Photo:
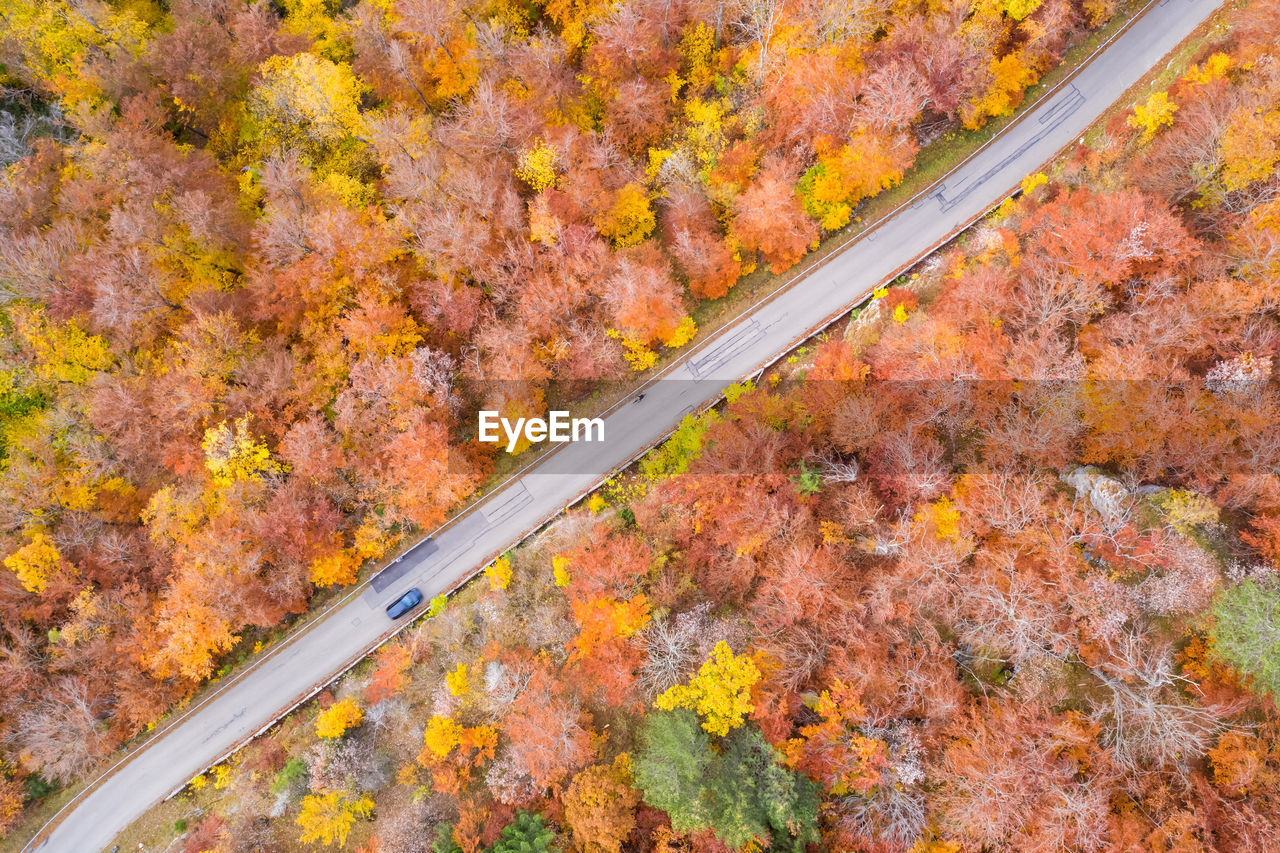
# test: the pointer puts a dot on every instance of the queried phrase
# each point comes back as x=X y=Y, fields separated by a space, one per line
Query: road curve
x=258 y=695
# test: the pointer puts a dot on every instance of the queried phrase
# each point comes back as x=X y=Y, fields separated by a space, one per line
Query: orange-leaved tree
x=600 y=806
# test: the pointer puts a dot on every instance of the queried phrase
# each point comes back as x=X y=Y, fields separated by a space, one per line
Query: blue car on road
x=404 y=603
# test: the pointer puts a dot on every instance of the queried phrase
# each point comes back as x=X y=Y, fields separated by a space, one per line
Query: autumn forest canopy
x=991 y=566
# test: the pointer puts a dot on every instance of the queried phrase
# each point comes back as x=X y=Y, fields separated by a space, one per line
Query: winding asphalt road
x=251 y=700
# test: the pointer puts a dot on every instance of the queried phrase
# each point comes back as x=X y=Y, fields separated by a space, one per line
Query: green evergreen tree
x=528 y=833
x=672 y=767
x=1246 y=632
x=444 y=842
x=753 y=796
x=740 y=790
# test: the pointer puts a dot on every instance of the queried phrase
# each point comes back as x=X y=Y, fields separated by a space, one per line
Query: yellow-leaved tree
x=499 y=573
x=1010 y=76
x=56 y=42
x=1156 y=112
x=334 y=721
x=334 y=568
x=843 y=177
x=1250 y=147
x=62 y=351
x=560 y=568
x=328 y=818
x=12 y=797
x=35 y=562
x=319 y=21
x=1018 y=9
x=1186 y=510
x=943 y=514
x=720 y=693
x=629 y=219
x=537 y=167
x=442 y=735
x=306 y=102
x=231 y=454
x=456 y=680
